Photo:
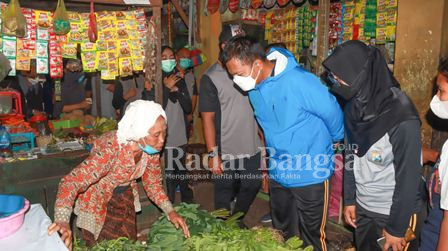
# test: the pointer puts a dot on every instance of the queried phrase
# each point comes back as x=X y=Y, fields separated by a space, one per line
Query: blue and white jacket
x=301 y=120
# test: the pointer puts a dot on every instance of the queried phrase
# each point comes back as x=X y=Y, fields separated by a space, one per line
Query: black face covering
x=343 y=91
x=375 y=102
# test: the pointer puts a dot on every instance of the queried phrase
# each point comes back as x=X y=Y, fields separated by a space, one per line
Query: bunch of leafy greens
x=208 y=232
x=121 y=244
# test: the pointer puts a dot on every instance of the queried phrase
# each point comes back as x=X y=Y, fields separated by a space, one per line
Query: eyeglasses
x=332 y=79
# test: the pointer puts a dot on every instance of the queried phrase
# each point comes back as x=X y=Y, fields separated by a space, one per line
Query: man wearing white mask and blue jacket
x=301 y=121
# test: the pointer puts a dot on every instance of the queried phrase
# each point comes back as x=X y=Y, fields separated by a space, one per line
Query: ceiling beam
x=181 y=12
x=121 y=2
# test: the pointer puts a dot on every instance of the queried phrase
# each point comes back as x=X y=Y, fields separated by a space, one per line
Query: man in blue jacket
x=301 y=121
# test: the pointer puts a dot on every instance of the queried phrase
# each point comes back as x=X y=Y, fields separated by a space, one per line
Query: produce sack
x=13 y=20
x=61 y=23
x=93 y=31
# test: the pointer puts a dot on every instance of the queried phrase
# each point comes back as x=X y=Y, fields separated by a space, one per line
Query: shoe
x=266 y=218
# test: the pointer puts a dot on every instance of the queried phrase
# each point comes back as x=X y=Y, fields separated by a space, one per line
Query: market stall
x=296 y=24
x=36 y=151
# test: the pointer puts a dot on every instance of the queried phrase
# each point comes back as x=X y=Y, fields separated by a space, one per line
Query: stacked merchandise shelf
x=306 y=26
x=336 y=25
x=295 y=27
x=281 y=26
x=117 y=52
x=370 y=21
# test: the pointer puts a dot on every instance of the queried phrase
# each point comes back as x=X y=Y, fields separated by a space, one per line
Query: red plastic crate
x=16 y=103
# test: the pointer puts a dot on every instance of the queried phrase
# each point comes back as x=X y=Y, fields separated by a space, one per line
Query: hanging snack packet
x=88 y=47
x=42 y=65
x=23 y=64
x=102 y=60
x=89 y=61
x=42 y=49
x=112 y=46
x=120 y=15
x=112 y=67
x=56 y=67
x=85 y=20
x=43 y=34
x=43 y=19
x=125 y=67
x=138 y=64
x=101 y=45
x=9 y=46
x=107 y=35
x=122 y=30
x=124 y=49
x=69 y=50
x=74 y=17
x=75 y=35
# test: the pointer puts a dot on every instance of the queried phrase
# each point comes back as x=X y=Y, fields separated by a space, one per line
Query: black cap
x=230 y=30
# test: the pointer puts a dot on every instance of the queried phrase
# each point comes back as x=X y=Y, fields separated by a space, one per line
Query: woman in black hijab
x=382 y=126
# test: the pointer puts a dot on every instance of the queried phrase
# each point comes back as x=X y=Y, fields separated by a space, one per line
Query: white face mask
x=439 y=107
x=246 y=83
x=34 y=81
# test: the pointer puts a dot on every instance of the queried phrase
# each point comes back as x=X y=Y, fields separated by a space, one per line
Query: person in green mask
x=185 y=66
x=177 y=104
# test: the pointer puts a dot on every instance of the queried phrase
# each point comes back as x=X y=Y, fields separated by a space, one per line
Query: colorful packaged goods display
x=295 y=27
x=306 y=26
x=370 y=21
x=335 y=23
x=119 y=50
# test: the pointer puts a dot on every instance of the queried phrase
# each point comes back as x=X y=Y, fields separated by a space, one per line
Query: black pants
x=176 y=173
x=369 y=228
x=301 y=212
x=236 y=183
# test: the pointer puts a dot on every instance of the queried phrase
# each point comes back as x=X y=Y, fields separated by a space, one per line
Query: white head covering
x=139 y=117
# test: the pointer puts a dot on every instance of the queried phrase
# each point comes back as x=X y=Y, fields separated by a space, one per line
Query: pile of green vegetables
x=103 y=125
x=208 y=232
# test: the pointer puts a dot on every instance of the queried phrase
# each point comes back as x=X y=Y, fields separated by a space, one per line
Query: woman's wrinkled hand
x=178 y=221
x=64 y=230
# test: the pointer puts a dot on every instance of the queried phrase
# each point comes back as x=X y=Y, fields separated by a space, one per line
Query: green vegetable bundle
x=164 y=236
x=103 y=125
x=120 y=244
x=208 y=233
x=236 y=239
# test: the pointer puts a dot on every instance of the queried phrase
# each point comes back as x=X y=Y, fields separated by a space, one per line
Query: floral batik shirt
x=91 y=183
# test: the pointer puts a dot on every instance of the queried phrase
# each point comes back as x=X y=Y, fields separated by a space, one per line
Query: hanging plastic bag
x=93 y=32
x=13 y=20
x=61 y=23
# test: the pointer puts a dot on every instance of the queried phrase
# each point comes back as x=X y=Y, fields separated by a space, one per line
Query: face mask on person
x=148 y=149
x=246 y=83
x=34 y=81
x=343 y=91
x=185 y=63
x=168 y=65
x=439 y=107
